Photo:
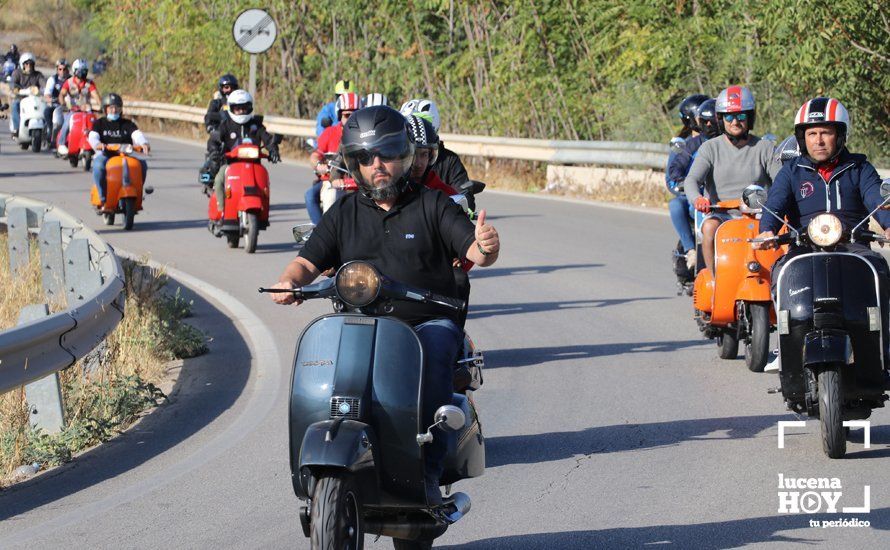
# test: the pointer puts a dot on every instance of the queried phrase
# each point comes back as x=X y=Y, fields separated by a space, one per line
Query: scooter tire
x=728 y=344
x=757 y=343
x=36 y=140
x=335 y=519
x=73 y=160
x=129 y=212
x=253 y=232
x=834 y=438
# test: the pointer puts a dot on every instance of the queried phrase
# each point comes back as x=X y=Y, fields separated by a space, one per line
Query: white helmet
x=240 y=97
x=371 y=100
x=424 y=108
x=80 y=68
x=27 y=56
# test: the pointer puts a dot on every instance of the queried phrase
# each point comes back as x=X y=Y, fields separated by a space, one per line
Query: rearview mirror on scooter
x=447 y=417
x=472 y=186
x=677 y=144
x=754 y=196
x=302 y=231
x=885 y=188
x=149 y=189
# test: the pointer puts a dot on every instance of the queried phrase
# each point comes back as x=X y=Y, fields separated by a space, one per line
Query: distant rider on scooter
x=23 y=78
x=827 y=177
x=726 y=165
x=217 y=107
x=329 y=142
x=448 y=165
x=675 y=173
x=51 y=95
x=378 y=153
x=327 y=116
x=113 y=129
x=72 y=90
x=240 y=124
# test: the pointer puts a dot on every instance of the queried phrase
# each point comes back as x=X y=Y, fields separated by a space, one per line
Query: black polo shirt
x=414 y=243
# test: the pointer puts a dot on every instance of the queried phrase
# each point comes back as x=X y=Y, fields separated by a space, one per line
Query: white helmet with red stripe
x=350 y=101
x=819 y=111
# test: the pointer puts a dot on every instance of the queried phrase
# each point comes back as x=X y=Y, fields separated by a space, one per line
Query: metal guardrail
x=613 y=153
x=75 y=262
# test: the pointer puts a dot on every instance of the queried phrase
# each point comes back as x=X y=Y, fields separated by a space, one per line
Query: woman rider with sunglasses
x=727 y=164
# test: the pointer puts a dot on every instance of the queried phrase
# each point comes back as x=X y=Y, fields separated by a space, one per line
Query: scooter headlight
x=358 y=284
x=825 y=230
x=249 y=153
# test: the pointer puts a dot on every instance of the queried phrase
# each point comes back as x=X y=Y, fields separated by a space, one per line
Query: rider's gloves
x=274 y=155
x=702 y=204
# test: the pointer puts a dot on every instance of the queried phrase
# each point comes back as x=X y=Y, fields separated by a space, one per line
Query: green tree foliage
x=560 y=69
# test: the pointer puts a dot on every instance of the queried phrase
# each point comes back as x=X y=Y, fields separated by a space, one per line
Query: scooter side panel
x=848 y=278
x=731 y=249
x=312 y=383
x=114 y=181
x=396 y=397
x=466 y=447
x=261 y=181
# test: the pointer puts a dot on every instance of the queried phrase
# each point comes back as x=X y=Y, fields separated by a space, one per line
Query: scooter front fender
x=827 y=346
x=337 y=445
x=36 y=124
x=754 y=289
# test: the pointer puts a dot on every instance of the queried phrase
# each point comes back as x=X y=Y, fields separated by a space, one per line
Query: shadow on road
x=546 y=447
x=287 y=246
x=523 y=357
x=287 y=206
x=149 y=225
x=486 y=272
x=703 y=536
x=207 y=387
x=481 y=311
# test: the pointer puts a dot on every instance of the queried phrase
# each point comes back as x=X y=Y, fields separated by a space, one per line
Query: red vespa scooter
x=247 y=198
x=77 y=146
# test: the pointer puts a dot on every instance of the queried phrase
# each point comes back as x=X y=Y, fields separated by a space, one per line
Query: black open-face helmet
x=227 y=80
x=689 y=107
x=378 y=131
x=112 y=99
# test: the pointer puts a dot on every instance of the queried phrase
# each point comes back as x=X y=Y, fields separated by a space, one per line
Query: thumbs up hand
x=486 y=236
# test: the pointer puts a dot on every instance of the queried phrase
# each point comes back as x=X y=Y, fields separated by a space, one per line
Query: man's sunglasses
x=741 y=117
x=366 y=158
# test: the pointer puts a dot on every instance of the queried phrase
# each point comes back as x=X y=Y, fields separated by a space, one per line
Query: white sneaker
x=773 y=365
x=690 y=259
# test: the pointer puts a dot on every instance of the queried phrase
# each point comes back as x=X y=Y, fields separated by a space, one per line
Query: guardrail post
x=80 y=280
x=17 y=232
x=51 y=259
x=44 y=396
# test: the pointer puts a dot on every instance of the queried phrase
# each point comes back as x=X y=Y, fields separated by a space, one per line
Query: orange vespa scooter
x=734 y=305
x=124 y=185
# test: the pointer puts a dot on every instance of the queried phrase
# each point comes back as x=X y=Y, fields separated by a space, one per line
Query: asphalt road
x=610 y=422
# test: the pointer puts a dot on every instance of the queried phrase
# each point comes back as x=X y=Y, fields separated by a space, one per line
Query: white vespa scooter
x=31 y=124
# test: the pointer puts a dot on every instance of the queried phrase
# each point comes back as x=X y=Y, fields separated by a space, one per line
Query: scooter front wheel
x=757 y=343
x=129 y=212
x=36 y=140
x=335 y=520
x=834 y=440
x=253 y=232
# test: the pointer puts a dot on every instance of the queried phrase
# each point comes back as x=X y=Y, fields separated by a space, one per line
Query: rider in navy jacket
x=800 y=192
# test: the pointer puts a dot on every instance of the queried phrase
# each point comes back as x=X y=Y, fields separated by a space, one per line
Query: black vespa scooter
x=356 y=439
x=828 y=309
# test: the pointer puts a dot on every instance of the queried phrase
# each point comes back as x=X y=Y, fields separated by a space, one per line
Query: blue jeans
x=680 y=217
x=66 y=125
x=16 y=116
x=441 y=340
x=313 y=202
x=99 y=162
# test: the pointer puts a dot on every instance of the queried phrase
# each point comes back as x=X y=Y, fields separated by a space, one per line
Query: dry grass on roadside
x=107 y=391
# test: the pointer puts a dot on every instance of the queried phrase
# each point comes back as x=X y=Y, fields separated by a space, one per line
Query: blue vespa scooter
x=356 y=439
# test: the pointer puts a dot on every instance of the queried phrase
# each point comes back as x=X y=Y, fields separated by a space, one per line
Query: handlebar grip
x=453 y=303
